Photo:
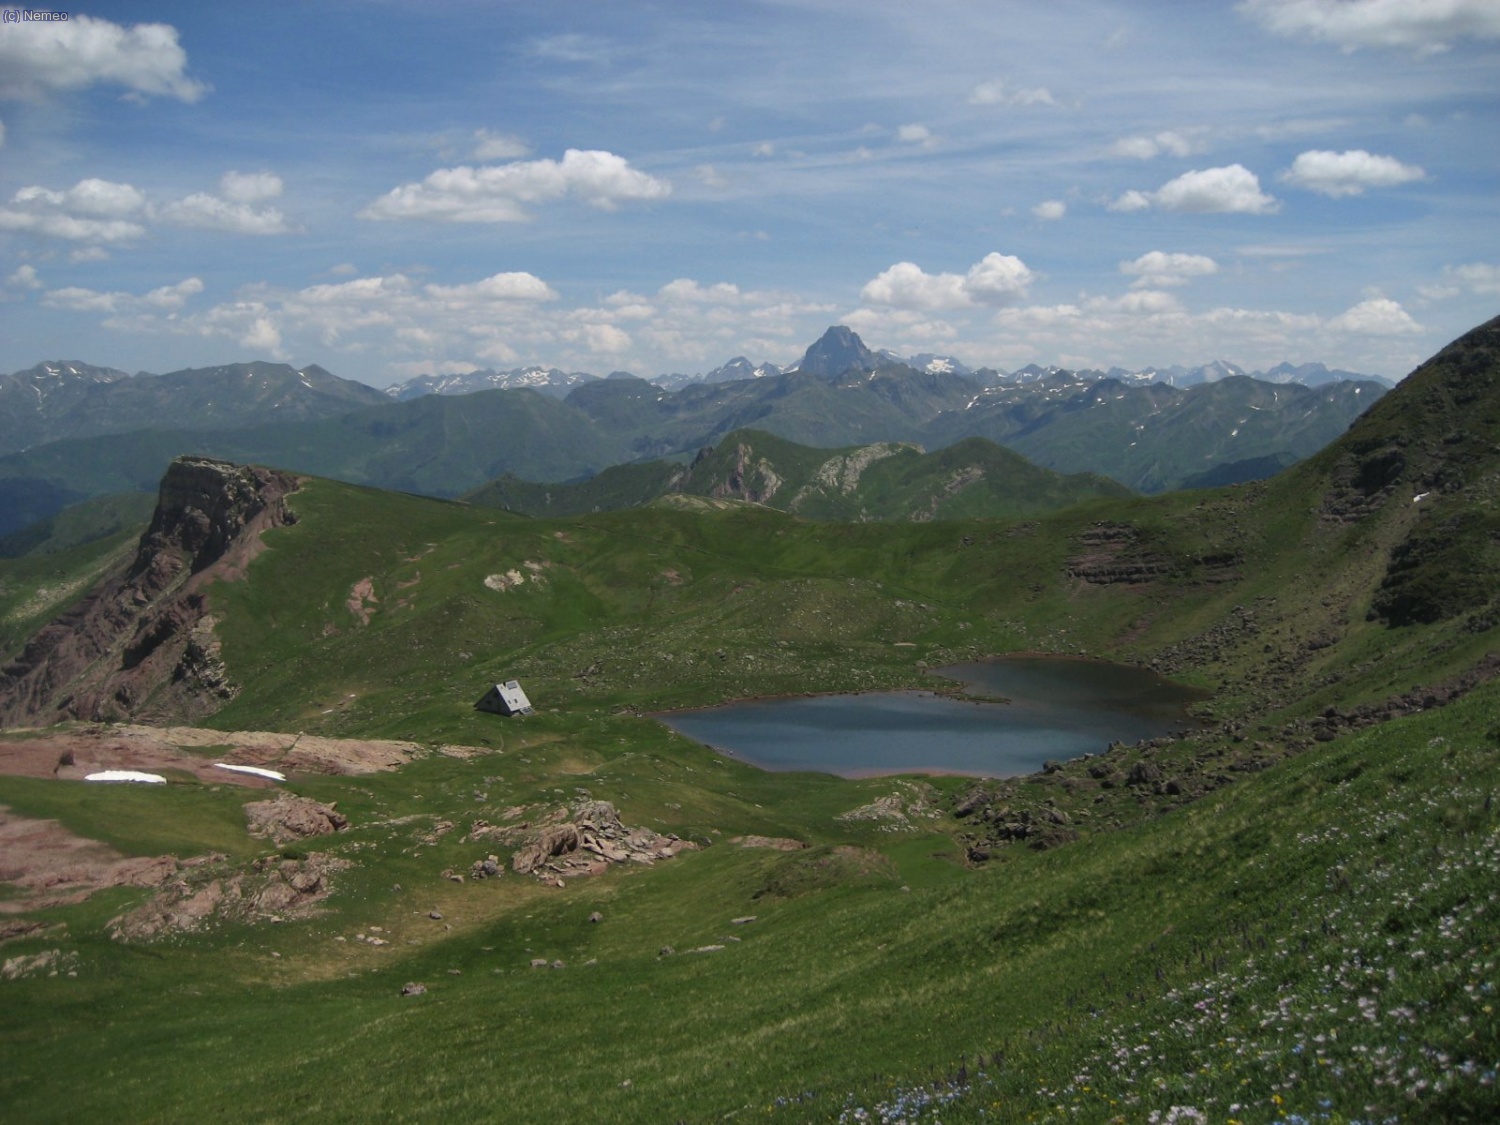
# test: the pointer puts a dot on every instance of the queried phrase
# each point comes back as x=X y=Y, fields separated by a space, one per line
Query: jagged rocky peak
x=838 y=350
x=204 y=504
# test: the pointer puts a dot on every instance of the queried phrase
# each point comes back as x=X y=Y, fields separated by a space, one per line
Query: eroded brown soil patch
x=53 y=867
x=72 y=752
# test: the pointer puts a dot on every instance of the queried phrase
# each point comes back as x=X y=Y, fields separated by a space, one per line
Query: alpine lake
x=1008 y=717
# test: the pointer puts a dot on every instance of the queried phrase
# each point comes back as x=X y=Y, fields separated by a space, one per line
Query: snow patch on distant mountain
x=548 y=380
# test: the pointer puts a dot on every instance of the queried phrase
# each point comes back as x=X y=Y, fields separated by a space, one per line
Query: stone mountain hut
x=505 y=699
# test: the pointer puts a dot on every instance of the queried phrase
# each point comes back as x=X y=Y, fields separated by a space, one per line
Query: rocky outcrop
x=752 y=480
x=141 y=645
x=285 y=818
x=583 y=842
x=1111 y=553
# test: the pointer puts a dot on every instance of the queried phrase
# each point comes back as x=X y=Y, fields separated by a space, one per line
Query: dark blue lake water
x=1059 y=708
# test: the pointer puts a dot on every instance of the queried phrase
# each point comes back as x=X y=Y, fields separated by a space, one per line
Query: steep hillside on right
x=1427 y=459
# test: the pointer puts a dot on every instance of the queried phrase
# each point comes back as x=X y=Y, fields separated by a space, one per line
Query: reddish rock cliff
x=141 y=644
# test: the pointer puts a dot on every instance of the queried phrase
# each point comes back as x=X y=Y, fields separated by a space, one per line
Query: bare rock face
x=285 y=818
x=141 y=644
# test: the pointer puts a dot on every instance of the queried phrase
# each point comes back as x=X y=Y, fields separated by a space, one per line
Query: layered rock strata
x=142 y=644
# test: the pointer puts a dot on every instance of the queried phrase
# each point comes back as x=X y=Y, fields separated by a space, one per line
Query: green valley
x=1288 y=912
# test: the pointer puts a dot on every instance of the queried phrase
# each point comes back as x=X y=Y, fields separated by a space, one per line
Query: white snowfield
x=256 y=770
x=127 y=775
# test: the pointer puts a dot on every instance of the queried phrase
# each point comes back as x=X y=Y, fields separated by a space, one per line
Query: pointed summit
x=838 y=350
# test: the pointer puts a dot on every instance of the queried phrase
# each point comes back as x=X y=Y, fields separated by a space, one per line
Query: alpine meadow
x=1288 y=908
x=1049 y=674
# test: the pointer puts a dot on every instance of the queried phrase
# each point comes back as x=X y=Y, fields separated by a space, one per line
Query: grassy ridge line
x=973 y=478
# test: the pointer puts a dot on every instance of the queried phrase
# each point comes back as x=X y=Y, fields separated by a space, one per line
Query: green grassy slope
x=1250 y=958
x=1290 y=912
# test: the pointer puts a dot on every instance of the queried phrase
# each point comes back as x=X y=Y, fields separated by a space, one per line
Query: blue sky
x=388 y=190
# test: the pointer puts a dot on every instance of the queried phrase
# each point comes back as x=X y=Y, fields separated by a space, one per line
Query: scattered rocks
x=912 y=800
x=49 y=962
x=744 y=921
x=596 y=917
x=486 y=868
x=413 y=988
x=273 y=889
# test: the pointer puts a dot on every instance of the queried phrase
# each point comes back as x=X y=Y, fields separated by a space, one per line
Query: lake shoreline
x=1023 y=712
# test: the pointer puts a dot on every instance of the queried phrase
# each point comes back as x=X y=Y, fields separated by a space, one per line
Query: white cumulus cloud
x=1229 y=190
x=1132 y=200
x=518 y=286
x=1377 y=316
x=168 y=298
x=250 y=187
x=102 y=212
x=1337 y=174
x=1050 y=210
x=502 y=193
x=684 y=290
x=998 y=279
x=208 y=212
x=236 y=209
x=1425 y=26
x=998 y=91
x=24 y=278
x=1156 y=269
x=914 y=134
x=262 y=336
x=38 y=58
x=92 y=210
x=1147 y=147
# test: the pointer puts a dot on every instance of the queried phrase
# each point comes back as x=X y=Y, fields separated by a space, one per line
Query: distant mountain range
x=71 y=431
x=54 y=401
x=845 y=350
